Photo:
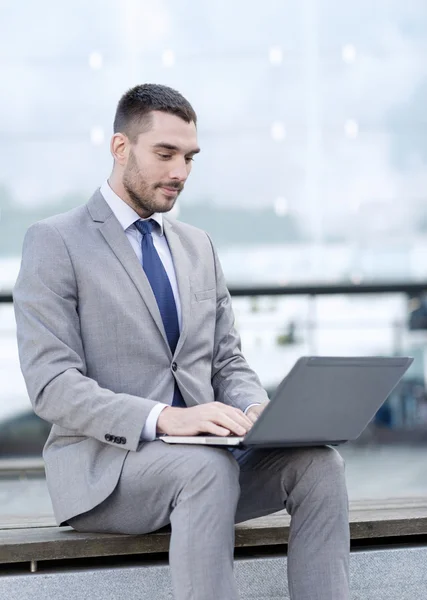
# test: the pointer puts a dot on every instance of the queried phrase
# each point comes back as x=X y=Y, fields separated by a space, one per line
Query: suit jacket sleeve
x=51 y=349
x=234 y=382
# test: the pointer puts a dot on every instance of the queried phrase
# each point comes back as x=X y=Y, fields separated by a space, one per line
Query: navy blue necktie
x=160 y=284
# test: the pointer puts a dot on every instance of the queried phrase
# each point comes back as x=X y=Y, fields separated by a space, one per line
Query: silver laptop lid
x=327 y=399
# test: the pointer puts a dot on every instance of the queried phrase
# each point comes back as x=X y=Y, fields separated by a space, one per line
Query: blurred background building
x=313 y=172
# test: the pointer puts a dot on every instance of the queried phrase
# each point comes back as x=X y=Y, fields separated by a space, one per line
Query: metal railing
x=21 y=468
x=405 y=287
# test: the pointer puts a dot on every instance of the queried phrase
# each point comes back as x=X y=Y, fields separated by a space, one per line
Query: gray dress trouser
x=203 y=491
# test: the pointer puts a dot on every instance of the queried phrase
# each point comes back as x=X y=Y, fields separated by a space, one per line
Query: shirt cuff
x=250 y=405
x=149 y=431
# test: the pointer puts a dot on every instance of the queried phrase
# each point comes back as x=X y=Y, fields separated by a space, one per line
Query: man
x=125 y=330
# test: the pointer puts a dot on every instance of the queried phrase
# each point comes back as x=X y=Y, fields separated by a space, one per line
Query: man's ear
x=119 y=148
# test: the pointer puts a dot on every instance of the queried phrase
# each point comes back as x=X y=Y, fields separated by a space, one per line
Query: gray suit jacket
x=94 y=352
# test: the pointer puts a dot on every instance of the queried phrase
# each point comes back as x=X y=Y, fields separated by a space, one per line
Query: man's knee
x=211 y=469
x=319 y=471
x=326 y=476
x=328 y=461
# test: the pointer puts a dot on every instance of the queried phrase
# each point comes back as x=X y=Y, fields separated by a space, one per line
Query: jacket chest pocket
x=203 y=314
x=203 y=295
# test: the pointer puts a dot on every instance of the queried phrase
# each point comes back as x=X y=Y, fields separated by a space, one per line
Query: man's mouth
x=170 y=190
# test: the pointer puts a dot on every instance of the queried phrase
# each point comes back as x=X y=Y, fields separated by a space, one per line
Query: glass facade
x=311 y=123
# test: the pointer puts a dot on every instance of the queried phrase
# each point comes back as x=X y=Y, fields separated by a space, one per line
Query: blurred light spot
x=281 y=206
x=348 y=53
x=95 y=60
x=278 y=131
x=356 y=278
x=97 y=135
x=275 y=55
x=351 y=128
x=168 y=58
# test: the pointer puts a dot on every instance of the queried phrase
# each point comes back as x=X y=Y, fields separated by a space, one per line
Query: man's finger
x=214 y=429
x=237 y=415
x=230 y=423
x=252 y=416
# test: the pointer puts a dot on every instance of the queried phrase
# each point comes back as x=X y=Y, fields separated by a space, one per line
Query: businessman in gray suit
x=125 y=330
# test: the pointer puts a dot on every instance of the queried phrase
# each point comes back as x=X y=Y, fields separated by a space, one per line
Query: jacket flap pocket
x=205 y=294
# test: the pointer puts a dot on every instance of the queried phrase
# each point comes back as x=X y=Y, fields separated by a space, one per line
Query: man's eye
x=189 y=159
x=165 y=156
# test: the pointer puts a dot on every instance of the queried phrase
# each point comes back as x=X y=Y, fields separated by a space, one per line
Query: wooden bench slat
x=384 y=509
x=367 y=520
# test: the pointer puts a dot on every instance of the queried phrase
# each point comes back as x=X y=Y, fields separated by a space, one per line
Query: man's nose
x=179 y=172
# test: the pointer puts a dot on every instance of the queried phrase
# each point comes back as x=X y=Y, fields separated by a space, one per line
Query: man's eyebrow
x=166 y=146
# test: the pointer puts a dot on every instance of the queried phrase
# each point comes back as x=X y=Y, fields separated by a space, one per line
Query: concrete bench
x=389 y=553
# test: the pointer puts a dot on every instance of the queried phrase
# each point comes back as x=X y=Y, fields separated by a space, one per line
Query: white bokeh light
x=97 y=136
x=281 y=206
x=275 y=55
x=348 y=53
x=168 y=58
x=95 y=60
x=278 y=131
x=351 y=128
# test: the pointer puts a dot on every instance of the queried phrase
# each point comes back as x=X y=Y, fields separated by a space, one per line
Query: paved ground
x=374 y=473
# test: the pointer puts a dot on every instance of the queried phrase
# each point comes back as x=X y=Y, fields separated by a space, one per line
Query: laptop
x=322 y=400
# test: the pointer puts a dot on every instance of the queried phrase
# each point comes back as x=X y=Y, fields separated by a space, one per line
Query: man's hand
x=254 y=411
x=214 y=417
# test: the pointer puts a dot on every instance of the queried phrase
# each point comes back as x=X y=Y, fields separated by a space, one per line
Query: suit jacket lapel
x=116 y=238
x=182 y=270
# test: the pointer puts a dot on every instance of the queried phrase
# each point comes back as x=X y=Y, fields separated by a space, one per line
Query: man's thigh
x=149 y=487
x=268 y=476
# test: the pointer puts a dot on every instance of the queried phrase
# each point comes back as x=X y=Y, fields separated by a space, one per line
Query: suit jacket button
x=108 y=437
x=174 y=366
x=123 y=440
x=116 y=440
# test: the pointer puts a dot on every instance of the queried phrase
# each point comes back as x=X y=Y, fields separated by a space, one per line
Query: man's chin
x=163 y=207
x=165 y=202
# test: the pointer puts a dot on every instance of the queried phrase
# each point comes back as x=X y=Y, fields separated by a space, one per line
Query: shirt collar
x=122 y=211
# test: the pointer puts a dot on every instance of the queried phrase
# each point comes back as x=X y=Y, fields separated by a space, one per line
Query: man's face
x=159 y=163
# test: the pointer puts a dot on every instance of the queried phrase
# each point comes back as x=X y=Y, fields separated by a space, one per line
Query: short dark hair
x=134 y=108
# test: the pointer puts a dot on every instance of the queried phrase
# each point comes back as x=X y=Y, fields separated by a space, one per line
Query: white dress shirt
x=127 y=217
